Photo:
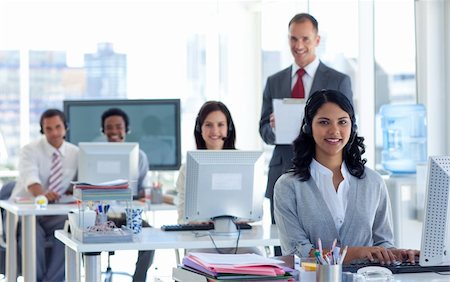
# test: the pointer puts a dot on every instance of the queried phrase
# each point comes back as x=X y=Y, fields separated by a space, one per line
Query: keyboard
x=400 y=267
x=199 y=227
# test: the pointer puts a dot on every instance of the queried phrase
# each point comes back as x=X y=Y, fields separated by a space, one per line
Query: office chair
x=5 y=193
x=109 y=273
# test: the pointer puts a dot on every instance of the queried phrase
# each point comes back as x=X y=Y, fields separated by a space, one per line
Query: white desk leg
x=73 y=264
x=177 y=256
x=92 y=267
x=11 y=247
x=29 y=248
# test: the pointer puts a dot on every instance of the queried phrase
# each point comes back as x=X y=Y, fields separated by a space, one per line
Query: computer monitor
x=154 y=124
x=435 y=247
x=224 y=186
x=105 y=161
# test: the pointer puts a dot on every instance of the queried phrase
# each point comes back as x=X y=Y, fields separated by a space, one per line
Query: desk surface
x=62 y=209
x=152 y=239
x=422 y=277
x=31 y=209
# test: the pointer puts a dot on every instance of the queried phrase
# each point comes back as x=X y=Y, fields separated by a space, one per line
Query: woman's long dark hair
x=305 y=146
x=207 y=108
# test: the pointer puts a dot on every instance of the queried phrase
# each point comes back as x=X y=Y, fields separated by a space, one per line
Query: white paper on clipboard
x=288 y=118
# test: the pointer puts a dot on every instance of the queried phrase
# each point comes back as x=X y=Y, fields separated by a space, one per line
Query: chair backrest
x=5 y=193
x=6 y=190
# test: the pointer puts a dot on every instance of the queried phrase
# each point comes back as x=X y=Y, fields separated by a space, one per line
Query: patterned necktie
x=299 y=90
x=56 y=173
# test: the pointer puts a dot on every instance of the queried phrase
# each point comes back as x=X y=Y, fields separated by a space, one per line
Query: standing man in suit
x=46 y=167
x=115 y=126
x=303 y=39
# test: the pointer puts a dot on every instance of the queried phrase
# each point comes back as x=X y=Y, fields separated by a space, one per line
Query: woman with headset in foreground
x=329 y=193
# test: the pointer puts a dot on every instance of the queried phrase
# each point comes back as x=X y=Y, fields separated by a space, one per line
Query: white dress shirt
x=308 y=77
x=336 y=200
x=35 y=164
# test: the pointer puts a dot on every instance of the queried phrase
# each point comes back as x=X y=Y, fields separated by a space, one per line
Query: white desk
x=422 y=277
x=152 y=239
x=28 y=213
x=181 y=276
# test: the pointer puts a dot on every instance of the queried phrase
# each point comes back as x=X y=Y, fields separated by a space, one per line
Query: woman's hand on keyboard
x=380 y=254
x=406 y=255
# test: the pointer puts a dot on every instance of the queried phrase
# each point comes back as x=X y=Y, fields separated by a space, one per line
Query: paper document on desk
x=248 y=264
x=288 y=119
x=113 y=184
x=233 y=259
x=116 y=182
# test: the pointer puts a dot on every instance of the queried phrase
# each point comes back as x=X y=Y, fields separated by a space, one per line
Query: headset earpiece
x=306 y=128
x=230 y=127
x=197 y=125
x=353 y=133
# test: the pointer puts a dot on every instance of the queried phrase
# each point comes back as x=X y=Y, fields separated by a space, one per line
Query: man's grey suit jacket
x=278 y=86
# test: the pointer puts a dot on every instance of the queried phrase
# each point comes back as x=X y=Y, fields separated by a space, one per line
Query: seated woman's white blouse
x=336 y=200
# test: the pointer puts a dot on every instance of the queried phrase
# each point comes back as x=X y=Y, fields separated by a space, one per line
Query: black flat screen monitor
x=154 y=124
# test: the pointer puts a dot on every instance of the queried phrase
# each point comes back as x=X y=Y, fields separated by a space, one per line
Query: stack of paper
x=236 y=267
x=114 y=184
x=111 y=190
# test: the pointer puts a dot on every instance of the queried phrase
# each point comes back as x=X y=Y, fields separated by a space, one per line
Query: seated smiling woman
x=329 y=193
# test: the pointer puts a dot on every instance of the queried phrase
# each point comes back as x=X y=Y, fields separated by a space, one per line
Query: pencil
x=344 y=253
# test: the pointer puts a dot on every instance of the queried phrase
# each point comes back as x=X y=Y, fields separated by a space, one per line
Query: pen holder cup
x=134 y=219
x=329 y=273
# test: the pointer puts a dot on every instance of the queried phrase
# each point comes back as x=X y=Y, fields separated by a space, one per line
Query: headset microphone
x=224 y=138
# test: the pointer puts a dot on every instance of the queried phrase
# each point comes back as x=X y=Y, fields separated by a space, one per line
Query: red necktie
x=56 y=173
x=299 y=90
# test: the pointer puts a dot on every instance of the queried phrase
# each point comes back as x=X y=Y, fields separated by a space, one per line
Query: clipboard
x=288 y=118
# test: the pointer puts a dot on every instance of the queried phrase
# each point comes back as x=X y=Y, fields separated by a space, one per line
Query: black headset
x=307 y=129
x=198 y=126
x=51 y=113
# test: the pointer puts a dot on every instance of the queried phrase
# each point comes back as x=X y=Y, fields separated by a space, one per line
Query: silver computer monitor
x=435 y=247
x=105 y=161
x=224 y=185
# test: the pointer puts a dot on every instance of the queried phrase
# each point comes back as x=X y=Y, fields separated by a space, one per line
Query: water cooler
x=405 y=149
x=404 y=137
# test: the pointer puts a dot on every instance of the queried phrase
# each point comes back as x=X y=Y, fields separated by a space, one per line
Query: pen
x=334 y=245
x=336 y=255
x=344 y=252
x=100 y=209
x=319 y=257
x=319 y=244
x=327 y=259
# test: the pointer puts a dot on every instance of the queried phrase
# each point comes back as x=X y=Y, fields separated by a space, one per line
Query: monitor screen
x=224 y=183
x=106 y=161
x=154 y=124
x=435 y=247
